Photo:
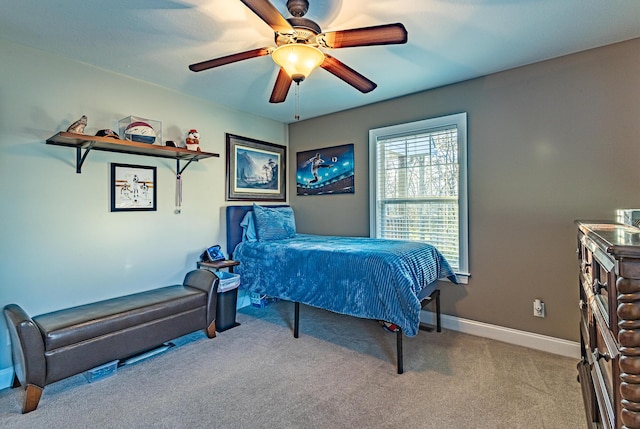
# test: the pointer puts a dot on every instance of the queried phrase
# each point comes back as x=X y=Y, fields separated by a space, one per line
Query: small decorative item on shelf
x=140 y=130
x=193 y=140
x=78 y=126
x=170 y=143
x=108 y=133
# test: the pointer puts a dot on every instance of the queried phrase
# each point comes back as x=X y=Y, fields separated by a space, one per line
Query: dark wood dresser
x=609 y=369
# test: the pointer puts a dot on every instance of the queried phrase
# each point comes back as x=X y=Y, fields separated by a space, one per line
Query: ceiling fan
x=298 y=40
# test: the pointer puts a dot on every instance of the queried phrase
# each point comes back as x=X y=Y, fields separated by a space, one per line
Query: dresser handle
x=598 y=355
x=584 y=265
x=597 y=286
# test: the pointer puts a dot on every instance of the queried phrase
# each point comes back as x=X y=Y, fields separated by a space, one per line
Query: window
x=418 y=185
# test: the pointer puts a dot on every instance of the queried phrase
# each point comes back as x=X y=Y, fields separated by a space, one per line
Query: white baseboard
x=6 y=377
x=512 y=336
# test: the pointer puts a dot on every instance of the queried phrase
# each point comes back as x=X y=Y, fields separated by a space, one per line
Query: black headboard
x=235 y=214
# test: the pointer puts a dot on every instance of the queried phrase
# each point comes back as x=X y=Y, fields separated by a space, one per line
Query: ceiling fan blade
x=347 y=74
x=281 y=88
x=387 y=34
x=217 y=62
x=269 y=14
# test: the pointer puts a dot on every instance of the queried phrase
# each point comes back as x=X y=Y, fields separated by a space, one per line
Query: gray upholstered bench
x=56 y=345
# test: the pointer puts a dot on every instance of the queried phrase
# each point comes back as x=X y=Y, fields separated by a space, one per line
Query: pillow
x=274 y=223
x=248 y=227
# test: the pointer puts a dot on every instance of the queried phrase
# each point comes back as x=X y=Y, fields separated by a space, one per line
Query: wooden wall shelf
x=87 y=143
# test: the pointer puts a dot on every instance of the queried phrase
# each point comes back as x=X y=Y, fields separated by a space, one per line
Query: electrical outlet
x=538 y=308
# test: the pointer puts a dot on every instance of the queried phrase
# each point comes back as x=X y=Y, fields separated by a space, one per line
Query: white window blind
x=418 y=185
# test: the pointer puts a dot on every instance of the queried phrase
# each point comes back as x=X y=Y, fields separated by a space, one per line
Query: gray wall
x=548 y=143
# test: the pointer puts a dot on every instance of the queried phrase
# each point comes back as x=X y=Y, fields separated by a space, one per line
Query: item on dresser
x=609 y=371
x=628 y=216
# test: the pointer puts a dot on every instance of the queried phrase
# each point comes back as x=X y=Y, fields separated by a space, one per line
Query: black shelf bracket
x=80 y=157
x=179 y=170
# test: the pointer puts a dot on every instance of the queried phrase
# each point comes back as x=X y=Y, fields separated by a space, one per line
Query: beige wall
x=548 y=143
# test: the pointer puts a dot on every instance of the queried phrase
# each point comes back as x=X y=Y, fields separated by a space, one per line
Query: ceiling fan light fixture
x=298 y=59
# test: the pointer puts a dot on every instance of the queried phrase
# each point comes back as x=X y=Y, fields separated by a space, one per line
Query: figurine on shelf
x=193 y=140
x=78 y=126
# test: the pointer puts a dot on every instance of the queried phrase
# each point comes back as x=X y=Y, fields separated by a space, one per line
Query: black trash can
x=227 y=301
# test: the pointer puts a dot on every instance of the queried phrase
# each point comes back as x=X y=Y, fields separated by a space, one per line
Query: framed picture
x=255 y=170
x=325 y=171
x=133 y=188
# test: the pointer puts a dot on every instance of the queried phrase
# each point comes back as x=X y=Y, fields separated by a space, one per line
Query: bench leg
x=31 y=398
x=211 y=330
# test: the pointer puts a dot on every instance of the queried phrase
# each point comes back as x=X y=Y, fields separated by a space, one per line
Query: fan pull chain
x=178 y=193
x=297 y=115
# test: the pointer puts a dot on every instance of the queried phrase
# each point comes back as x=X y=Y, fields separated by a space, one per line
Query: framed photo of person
x=133 y=188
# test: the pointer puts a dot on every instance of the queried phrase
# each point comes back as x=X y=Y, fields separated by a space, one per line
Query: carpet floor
x=340 y=373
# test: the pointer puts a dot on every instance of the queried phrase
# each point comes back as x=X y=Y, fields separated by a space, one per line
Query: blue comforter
x=362 y=277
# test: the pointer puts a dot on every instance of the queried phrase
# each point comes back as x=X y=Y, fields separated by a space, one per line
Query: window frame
x=459 y=120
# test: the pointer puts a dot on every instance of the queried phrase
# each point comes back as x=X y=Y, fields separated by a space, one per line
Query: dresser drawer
x=598 y=273
x=586 y=322
x=605 y=373
x=605 y=293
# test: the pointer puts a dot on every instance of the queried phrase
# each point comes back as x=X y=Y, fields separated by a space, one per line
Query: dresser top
x=618 y=239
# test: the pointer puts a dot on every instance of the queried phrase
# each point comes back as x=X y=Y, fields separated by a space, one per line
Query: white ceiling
x=449 y=41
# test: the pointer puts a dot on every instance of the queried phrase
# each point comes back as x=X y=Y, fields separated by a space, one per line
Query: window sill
x=463 y=278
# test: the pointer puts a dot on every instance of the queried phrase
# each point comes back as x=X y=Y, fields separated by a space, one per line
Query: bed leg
x=438 y=324
x=296 y=320
x=435 y=295
x=399 y=350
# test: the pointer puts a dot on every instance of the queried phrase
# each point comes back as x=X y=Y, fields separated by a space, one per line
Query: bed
x=385 y=280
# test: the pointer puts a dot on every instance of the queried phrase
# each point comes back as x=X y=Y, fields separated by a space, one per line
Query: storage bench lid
x=73 y=325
